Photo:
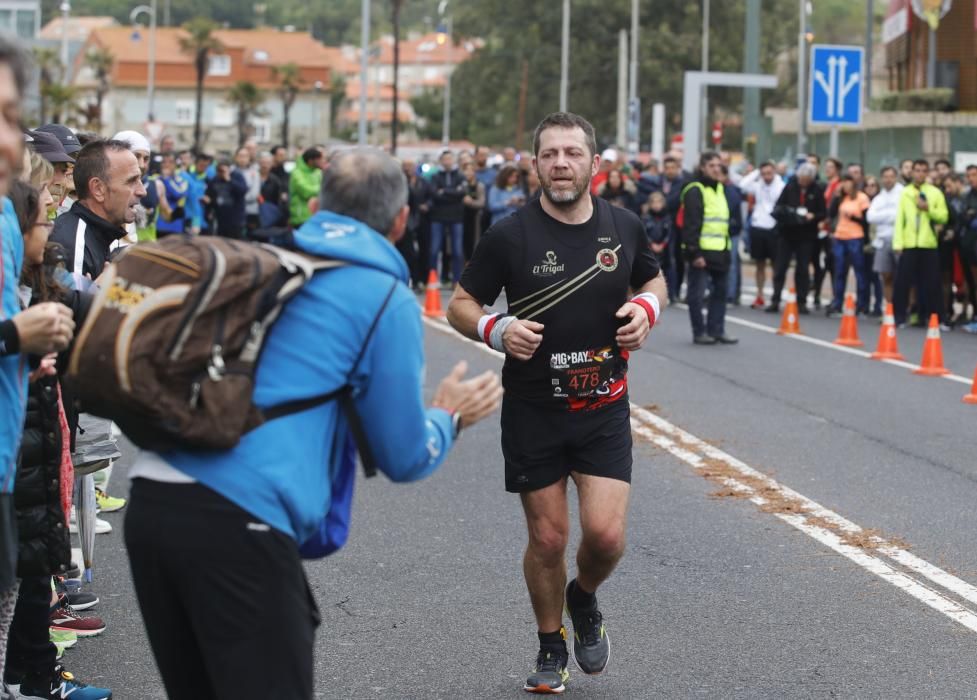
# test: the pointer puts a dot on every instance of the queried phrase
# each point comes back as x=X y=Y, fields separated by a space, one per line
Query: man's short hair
x=93 y=161
x=943 y=161
x=365 y=184
x=887 y=168
x=707 y=157
x=311 y=154
x=670 y=159
x=839 y=166
x=13 y=54
x=274 y=149
x=921 y=161
x=446 y=152
x=904 y=161
x=807 y=170
x=970 y=167
x=566 y=120
x=768 y=164
x=816 y=157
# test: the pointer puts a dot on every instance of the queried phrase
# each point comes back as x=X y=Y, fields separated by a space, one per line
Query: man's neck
x=577 y=213
x=96 y=209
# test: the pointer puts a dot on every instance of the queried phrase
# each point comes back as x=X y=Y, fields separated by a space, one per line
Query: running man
x=583 y=290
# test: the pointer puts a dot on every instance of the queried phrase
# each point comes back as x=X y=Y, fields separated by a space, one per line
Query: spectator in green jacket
x=304 y=185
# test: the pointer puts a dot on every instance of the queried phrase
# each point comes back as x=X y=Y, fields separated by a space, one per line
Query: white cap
x=136 y=141
x=609 y=155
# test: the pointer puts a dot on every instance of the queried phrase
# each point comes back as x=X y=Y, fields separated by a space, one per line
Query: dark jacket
x=734 y=199
x=42 y=529
x=448 y=189
x=273 y=203
x=226 y=204
x=793 y=225
x=418 y=194
x=692 y=227
x=78 y=229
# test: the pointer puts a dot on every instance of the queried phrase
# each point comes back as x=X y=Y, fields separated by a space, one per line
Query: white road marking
x=694 y=452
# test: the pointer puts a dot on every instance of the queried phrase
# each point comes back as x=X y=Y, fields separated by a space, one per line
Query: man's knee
x=548 y=543
x=606 y=541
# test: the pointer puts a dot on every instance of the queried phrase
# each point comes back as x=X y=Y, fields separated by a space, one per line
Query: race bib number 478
x=581 y=373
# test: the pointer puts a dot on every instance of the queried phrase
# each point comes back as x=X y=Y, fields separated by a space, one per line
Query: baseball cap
x=49 y=147
x=65 y=135
x=136 y=141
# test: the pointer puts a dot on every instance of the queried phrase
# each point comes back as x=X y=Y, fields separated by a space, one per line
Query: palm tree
x=289 y=81
x=100 y=61
x=49 y=67
x=247 y=100
x=62 y=99
x=199 y=43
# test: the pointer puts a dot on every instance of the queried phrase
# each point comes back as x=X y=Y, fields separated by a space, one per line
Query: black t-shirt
x=572 y=279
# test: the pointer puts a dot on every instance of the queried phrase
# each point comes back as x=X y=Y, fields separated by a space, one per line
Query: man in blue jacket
x=213 y=536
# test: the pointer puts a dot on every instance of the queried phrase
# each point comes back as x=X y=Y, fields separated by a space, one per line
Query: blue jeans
x=457 y=245
x=849 y=253
x=698 y=279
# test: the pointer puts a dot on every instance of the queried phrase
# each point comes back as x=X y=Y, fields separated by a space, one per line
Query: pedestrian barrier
x=848 y=332
x=432 y=299
x=888 y=347
x=972 y=396
x=789 y=323
x=932 y=363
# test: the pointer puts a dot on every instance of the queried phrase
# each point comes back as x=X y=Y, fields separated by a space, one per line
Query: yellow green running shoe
x=107 y=503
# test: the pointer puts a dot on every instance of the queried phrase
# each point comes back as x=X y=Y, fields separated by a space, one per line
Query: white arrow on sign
x=837 y=78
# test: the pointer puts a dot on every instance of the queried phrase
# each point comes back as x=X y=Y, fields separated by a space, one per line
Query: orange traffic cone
x=432 y=299
x=789 y=323
x=972 y=396
x=888 y=348
x=932 y=363
x=848 y=333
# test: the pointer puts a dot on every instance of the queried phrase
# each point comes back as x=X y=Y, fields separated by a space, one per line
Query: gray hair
x=807 y=170
x=365 y=184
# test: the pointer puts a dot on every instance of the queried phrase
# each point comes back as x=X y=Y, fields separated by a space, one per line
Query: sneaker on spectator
x=63 y=639
x=64 y=618
x=82 y=600
x=107 y=503
x=102 y=527
x=61 y=685
x=970 y=327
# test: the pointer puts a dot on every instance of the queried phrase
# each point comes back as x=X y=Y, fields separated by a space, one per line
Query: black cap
x=47 y=145
x=65 y=135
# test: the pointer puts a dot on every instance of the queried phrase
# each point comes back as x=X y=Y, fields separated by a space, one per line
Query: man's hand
x=632 y=335
x=657 y=247
x=522 y=338
x=44 y=328
x=699 y=262
x=45 y=369
x=922 y=204
x=472 y=399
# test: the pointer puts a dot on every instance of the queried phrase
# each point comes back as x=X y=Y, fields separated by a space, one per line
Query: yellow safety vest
x=714 y=235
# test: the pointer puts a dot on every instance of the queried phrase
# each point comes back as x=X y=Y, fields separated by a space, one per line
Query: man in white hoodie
x=882 y=215
x=765 y=186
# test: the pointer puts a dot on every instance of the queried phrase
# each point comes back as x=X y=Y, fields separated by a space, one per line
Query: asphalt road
x=717 y=596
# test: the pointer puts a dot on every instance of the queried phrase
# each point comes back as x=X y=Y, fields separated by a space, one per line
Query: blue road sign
x=836 y=85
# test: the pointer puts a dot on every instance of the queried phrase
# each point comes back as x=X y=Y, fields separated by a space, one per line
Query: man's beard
x=563 y=197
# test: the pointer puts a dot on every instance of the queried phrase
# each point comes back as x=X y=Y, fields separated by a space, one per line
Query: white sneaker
x=102 y=527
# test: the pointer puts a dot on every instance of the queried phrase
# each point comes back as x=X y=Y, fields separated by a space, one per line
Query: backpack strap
x=79 y=260
x=345 y=395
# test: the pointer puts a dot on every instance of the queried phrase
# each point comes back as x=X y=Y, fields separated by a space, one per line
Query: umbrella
x=85 y=488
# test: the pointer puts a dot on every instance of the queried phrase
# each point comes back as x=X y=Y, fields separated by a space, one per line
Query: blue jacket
x=13 y=368
x=281 y=471
x=500 y=202
x=194 y=207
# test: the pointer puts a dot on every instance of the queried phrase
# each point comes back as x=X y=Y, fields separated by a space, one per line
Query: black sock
x=579 y=598
x=551 y=639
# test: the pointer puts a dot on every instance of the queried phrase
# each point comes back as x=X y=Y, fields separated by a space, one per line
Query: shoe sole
x=573 y=645
x=83 y=606
x=106 y=509
x=80 y=633
x=544 y=690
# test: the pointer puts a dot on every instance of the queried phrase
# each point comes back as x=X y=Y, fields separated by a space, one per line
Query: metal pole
x=375 y=127
x=446 y=119
x=65 y=9
x=633 y=72
x=315 y=113
x=658 y=131
x=869 y=31
x=364 y=69
x=802 y=80
x=565 y=57
x=833 y=142
x=931 y=62
x=151 y=80
x=166 y=13
x=703 y=127
x=751 y=64
x=622 y=87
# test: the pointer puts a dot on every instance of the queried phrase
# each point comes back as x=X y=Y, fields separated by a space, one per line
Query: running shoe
x=64 y=618
x=107 y=503
x=102 y=527
x=62 y=685
x=63 y=639
x=970 y=327
x=82 y=600
x=590 y=645
x=550 y=675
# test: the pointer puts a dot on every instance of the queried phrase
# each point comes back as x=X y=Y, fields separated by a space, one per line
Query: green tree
x=289 y=83
x=199 y=43
x=100 y=62
x=429 y=111
x=246 y=99
x=49 y=68
x=63 y=100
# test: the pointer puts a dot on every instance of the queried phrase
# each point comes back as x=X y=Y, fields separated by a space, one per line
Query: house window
x=7 y=20
x=224 y=116
x=262 y=130
x=185 y=111
x=261 y=56
x=220 y=64
x=26 y=21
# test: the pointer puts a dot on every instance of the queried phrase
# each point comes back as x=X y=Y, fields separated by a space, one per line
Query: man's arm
x=938 y=211
x=506 y=334
x=643 y=311
x=899 y=226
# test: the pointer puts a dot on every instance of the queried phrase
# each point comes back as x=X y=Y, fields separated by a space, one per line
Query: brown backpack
x=169 y=348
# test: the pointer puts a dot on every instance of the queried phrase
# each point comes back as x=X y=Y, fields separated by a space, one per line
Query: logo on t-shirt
x=549 y=266
x=607 y=260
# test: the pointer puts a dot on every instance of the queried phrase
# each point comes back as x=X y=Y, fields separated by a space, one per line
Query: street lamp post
x=149 y=10
x=565 y=57
x=315 y=112
x=65 y=11
x=364 y=69
x=445 y=38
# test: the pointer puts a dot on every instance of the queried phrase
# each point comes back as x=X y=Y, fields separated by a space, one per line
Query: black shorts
x=542 y=444
x=763 y=244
